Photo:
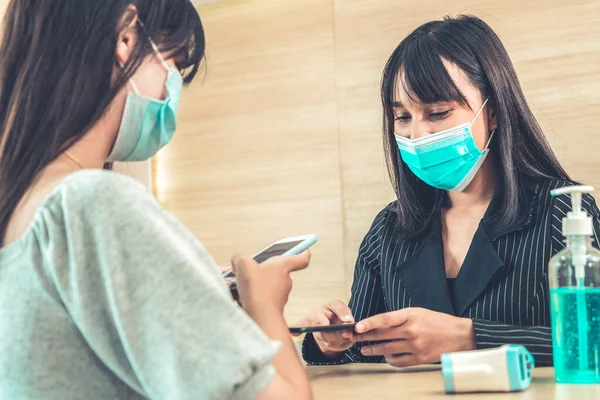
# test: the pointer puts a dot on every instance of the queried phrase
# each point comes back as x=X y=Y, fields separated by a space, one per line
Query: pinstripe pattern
x=502 y=284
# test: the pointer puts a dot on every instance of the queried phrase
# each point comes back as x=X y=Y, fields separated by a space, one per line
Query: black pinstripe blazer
x=502 y=284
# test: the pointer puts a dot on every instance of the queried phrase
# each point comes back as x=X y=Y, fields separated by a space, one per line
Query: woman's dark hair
x=519 y=146
x=56 y=74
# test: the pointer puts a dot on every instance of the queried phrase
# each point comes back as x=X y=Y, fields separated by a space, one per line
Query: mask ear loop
x=160 y=57
x=487 y=146
x=480 y=110
x=154 y=46
x=477 y=115
x=131 y=82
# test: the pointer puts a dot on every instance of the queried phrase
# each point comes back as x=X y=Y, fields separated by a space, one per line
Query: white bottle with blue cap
x=503 y=369
x=574 y=276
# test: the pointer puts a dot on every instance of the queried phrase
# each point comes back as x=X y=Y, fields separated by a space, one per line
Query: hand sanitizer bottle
x=574 y=275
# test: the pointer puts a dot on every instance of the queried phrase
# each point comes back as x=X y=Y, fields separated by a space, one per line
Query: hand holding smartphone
x=288 y=247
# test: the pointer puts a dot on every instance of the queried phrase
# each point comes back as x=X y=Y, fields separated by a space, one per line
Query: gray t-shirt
x=108 y=296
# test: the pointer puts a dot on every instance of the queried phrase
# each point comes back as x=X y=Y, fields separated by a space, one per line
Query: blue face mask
x=447 y=160
x=148 y=124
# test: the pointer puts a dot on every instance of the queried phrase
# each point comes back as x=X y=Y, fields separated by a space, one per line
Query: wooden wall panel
x=256 y=157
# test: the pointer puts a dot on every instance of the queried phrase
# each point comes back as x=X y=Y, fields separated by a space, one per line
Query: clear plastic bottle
x=574 y=275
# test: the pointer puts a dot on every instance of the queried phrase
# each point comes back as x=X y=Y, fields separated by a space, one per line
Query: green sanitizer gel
x=574 y=276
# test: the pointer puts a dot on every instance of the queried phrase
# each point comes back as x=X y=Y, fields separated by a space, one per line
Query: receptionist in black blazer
x=459 y=260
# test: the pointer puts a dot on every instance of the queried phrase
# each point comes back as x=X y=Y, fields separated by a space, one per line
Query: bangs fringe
x=419 y=72
x=179 y=33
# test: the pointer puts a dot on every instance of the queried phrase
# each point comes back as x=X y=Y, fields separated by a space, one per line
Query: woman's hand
x=415 y=336
x=334 y=312
x=263 y=292
x=266 y=285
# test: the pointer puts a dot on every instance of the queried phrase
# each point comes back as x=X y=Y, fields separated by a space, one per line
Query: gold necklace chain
x=74 y=159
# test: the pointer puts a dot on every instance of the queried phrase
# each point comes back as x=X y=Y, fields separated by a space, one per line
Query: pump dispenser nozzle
x=577 y=222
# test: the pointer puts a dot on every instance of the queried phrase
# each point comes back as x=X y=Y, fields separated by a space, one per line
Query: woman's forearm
x=291 y=380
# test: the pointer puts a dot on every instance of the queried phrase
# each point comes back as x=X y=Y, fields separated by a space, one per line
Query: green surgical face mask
x=447 y=160
x=148 y=124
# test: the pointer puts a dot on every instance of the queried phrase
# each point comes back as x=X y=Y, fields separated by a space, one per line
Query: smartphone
x=322 y=328
x=285 y=247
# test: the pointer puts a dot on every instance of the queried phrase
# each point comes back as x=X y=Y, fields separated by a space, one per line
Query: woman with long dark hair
x=103 y=294
x=459 y=260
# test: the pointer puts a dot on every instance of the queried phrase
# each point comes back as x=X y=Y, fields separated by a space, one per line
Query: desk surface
x=380 y=381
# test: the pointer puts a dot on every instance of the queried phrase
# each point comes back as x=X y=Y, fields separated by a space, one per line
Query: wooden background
x=282 y=134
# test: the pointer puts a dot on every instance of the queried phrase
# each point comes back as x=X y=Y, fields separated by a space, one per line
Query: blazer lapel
x=480 y=265
x=424 y=274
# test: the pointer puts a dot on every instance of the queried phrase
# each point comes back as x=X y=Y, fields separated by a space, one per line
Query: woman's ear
x=127 y=35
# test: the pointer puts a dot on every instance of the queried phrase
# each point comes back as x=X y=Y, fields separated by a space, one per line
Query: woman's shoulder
x=99 y=193
x=387 y=214
x=382 y=223
x=102 y=182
